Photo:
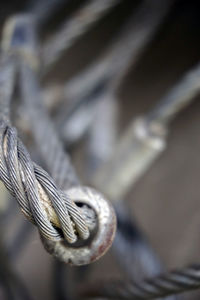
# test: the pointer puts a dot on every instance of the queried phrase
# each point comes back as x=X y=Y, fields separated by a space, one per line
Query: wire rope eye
x=87 y=251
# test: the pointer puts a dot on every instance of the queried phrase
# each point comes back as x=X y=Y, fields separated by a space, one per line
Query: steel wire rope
x=25 y=179
x=39 y=198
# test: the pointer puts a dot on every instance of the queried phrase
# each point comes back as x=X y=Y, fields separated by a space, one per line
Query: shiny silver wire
x=39 y=198
x=33 y=186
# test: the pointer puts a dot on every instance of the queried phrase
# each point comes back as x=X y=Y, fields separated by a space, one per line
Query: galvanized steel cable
x=39 y=198
x=33 y=188
x=142 y=296
x=28 y=182
x=155 y=287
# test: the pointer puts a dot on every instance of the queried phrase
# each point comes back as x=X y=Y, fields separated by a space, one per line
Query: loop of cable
x=39 y=198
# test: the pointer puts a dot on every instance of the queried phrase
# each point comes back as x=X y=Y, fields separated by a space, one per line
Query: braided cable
x=53 y=153
x=57 y=160
x=40 y=200
x=160 y=286
x=33 y=188
x=35 y=191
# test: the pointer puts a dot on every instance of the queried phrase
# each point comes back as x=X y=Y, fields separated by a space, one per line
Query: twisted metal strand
x=46 y=205
x=37 y=195
x=160 y=286
x=40 y=200
x=57 y=160
x=153 y=288
x=83 y=19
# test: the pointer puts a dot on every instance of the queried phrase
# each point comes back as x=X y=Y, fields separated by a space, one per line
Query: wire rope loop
x=100 y=240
